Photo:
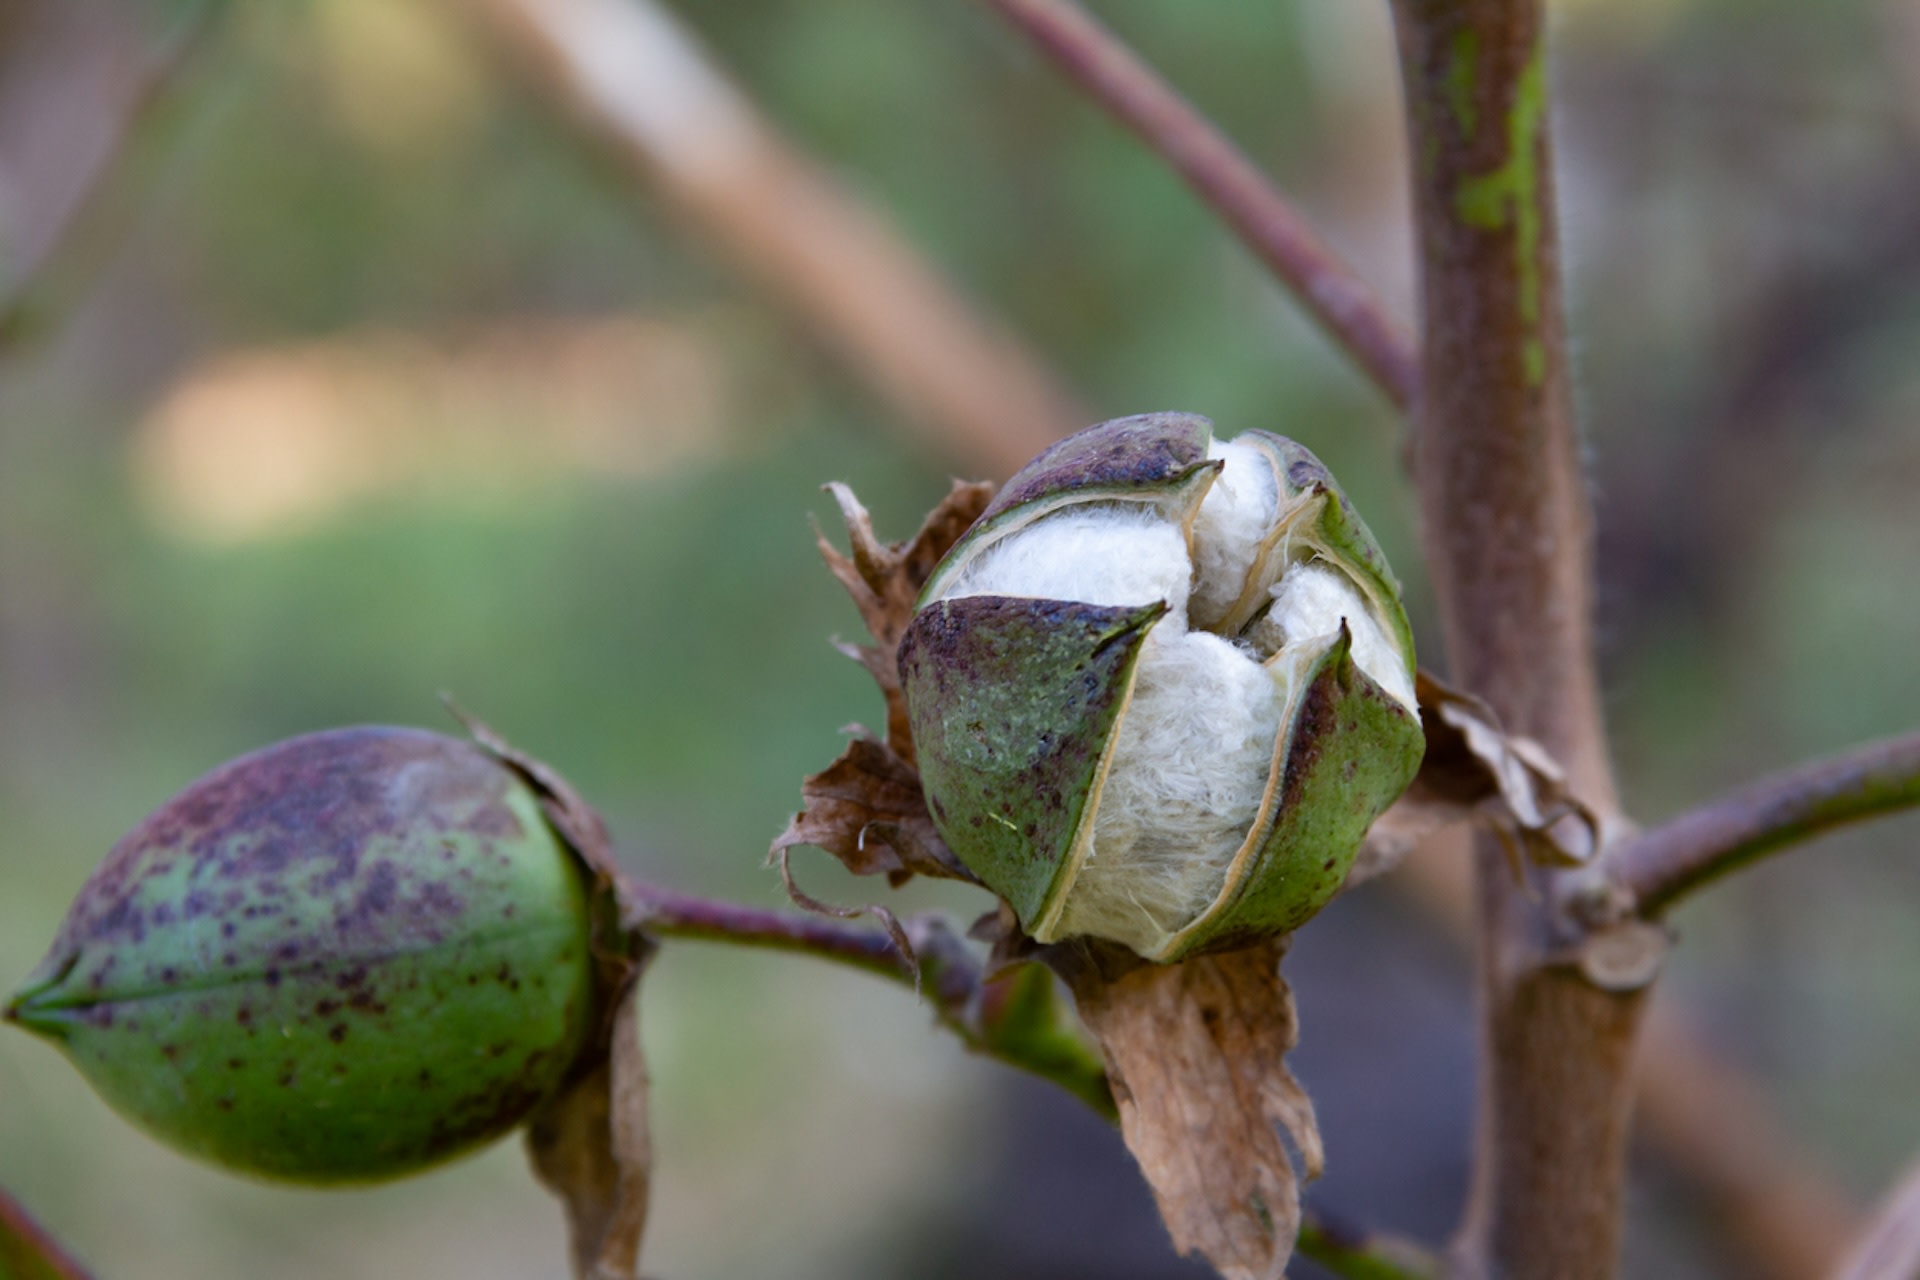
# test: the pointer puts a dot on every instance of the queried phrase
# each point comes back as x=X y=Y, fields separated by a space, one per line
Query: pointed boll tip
x=23 y=1012
x=31 y=1009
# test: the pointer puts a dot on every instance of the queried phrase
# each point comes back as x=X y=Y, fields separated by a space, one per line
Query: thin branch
x=27 y=1252
x=644 y=87
x=1012 y=1017
x=1362 y=1255
x=1890 y=1247
x=994 y=1017
x=1676 y=858
x=87 y=206
x=667 y=914
x=1222 y=176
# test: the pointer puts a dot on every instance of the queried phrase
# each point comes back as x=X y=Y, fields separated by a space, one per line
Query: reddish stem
x=1673 y=860
x=1221 y=175
x=27 y=1252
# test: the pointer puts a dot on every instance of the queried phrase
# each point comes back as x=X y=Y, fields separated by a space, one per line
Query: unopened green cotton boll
x=1161 y=688
x=342 y=958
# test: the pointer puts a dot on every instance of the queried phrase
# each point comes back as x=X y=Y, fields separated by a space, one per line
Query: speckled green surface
x=342 y=958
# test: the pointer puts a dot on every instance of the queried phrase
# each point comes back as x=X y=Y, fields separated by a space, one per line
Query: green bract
x=340 y=958
x=1162 y=687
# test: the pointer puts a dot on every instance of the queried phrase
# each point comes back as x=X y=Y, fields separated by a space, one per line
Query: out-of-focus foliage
x=377 y=382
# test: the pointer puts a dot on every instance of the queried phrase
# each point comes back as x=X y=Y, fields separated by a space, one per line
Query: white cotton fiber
x=1192 y=752
x=1234 y=519
x=1190 y=766
x=1102 y=553
x=1309 y=602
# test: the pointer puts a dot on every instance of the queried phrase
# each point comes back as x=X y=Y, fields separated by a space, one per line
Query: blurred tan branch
x=1719 y=1131
x=77 y=91
x=634 y=76
x=1889 y=1249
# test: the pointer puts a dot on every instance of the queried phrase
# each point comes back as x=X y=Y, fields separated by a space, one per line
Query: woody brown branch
x=1509 y=539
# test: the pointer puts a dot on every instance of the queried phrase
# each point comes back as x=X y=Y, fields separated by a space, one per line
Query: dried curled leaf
x=27 y=1252
x=590 y=1147
x=1196 y=1054
x=867 y=809
x=885 y=580
x=1473 y=769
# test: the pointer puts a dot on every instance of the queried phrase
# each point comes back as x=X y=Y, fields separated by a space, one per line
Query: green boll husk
x=342 y=958
x=1162 y=687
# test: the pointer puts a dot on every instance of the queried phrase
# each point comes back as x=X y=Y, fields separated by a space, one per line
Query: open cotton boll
x=1106 y=765
x=1103 y=553
x=1189 y=770
x=1234 y=520
x=1309 y=602
x=1190 y=757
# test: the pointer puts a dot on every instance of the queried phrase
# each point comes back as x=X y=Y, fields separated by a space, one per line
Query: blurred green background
x=365 y=375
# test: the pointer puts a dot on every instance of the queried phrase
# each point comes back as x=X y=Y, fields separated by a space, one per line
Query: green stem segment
x=1361 y=1255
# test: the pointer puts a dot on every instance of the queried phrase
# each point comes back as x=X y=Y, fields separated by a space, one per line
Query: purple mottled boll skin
x=342 y=958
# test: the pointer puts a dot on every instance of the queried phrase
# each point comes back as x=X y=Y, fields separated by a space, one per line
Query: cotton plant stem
x=1778 y=1212
x=1670 y=862
x=27 y=1252
x=106 y=101
x=948 y=976
x=1889 y=1249
x=1508 y=533
x=1334 y=295
x=667 y=914
x=1356 y=1255
x=955 y=984
x=639 y=81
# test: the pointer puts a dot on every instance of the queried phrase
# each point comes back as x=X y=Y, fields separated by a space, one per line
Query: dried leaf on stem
x=1196 y=1055
x=590 y=1147
x=867 y=809
x=885 y=580
x=1475 y=771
